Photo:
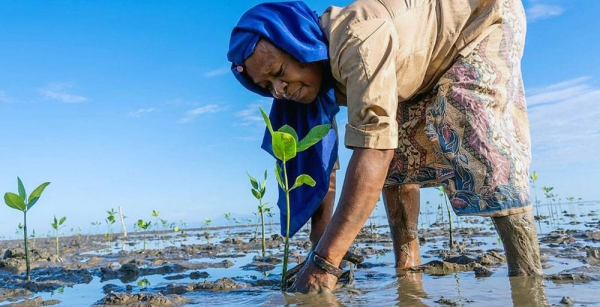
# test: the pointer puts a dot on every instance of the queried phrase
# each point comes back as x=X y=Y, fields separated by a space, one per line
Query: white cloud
x=60 y=92
x=247 y=138
x=216 y=72
x=564 y=122
x=191 y=114
x=4 y=98
x=251 y=115
x=141 y=112
x=543 y=11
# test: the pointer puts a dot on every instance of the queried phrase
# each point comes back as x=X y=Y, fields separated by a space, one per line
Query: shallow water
x=381 y=285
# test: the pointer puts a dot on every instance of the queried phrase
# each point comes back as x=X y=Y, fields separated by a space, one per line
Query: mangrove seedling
x=228 y=217
x=445 y=198
x=56 y=225
x=110 y=220
x=155 y=214
x=258 y=190
x=550 y=197
x=22 y=203
x=286 y=146
x=141 y=224
x=33 y=236
x=19 y=230
x=207 y=222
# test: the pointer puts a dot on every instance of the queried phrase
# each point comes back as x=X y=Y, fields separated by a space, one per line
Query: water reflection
x=410 y=289
x=528 y=291
x=317 y=299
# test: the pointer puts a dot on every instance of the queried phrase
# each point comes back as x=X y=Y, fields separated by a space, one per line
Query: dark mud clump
x=141 y=300
x=462 y=263
x=580 y=274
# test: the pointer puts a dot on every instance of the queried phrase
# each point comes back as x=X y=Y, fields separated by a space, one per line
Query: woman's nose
x=279 y=89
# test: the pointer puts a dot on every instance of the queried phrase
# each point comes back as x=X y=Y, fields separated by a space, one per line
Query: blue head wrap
x=294 y=28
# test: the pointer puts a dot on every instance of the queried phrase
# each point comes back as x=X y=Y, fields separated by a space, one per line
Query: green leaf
x=284 y=146
x=303 y=179
x=253 y=181
x=256 y=194
x=534 y=176
x=267 y=120
x=263 y=185
x=36 y=194
x=54 y=224
x=290 y=130
x=278 y=175
x=15 y=201
x=32 y=202
x=21 y=188
x=62 y=220
x=154 y=213
x=314 y=135
x=265 y=175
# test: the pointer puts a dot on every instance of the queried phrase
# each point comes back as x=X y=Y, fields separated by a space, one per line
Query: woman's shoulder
x=356 y=12
x=359 y=19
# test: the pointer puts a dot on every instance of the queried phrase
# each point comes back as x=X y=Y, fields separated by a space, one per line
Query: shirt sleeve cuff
x=356 y=138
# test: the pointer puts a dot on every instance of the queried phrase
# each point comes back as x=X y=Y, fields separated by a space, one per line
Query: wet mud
x=184 y=265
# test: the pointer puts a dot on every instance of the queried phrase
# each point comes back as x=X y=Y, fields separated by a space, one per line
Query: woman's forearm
x=364 y=180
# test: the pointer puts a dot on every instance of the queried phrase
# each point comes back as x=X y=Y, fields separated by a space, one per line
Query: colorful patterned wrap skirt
x=470 y=134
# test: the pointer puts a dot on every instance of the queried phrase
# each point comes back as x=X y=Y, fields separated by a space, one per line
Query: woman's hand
x=312 y=279
x=362 y=186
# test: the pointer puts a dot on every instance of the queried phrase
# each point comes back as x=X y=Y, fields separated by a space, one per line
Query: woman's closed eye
x=279 y=72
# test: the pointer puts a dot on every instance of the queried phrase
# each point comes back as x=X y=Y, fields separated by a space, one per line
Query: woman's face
x=281 y=74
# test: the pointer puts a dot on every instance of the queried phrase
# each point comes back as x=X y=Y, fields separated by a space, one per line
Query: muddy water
x=226 y=269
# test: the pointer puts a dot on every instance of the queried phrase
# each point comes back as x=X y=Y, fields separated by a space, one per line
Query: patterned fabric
x=470 y=134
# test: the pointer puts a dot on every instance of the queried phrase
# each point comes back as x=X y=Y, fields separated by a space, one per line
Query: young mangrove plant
x=550 y=197
x=155 y=214
x=33 y=236
x=22 y=203
x=258 y=190
x=445 y=198
x=110 y=220
x=141 y=224
x=56 y=225
x=207 y=222
x=286 y=146
x=19 y=230
x=228 y=217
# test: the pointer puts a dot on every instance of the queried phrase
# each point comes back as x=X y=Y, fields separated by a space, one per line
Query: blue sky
x=131 y=104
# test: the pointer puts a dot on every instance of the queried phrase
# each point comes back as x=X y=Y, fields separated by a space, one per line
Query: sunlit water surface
x=381 y=285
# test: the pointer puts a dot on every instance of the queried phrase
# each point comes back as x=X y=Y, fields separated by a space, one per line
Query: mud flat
x=225 y=266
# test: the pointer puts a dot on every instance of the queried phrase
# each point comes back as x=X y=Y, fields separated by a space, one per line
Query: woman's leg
x=322 y=215
x=402 y=207
x=519 y=237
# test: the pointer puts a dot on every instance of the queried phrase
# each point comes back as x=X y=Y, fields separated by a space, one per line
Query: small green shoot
x=155 y=214
x=228 y=217
x=445 y=198
x=110 y=220
x=286 y=146
x=141 y=224
x=258 y=190
x=207 y=222
x=22 y=203
x=56 y=225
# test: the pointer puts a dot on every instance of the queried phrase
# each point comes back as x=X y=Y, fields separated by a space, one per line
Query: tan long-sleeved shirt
x=383 y=52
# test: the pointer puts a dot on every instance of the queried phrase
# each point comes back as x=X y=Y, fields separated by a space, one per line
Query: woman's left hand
x=312 y=279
